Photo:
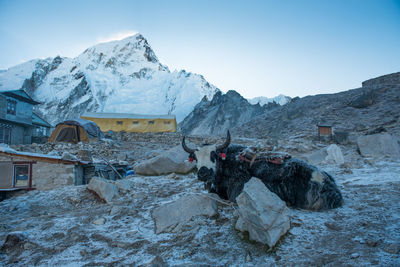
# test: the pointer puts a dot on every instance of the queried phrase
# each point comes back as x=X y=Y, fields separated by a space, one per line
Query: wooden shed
x=324 y=130
x=119 y=122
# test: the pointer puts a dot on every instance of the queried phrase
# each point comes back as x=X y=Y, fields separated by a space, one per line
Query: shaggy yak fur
x=296 y=182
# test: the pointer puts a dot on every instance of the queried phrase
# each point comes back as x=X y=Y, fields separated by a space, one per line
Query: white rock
x=262 y=213
x=331 y=154
x=171 y=161
x=103 y=188
x=100 y=221
x=170 y=216
x=378 y=145
x=335 y=154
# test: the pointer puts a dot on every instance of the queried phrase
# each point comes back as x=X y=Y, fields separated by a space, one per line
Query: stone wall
x=47 y=176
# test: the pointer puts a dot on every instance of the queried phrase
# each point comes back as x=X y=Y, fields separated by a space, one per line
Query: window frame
x=29 y=178
x=11 y=107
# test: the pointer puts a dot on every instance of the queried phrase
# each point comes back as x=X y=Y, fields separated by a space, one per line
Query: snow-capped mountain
x=120 y=76
x=262 y=100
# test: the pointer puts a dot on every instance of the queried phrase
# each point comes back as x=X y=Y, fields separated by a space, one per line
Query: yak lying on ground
x=226 y=168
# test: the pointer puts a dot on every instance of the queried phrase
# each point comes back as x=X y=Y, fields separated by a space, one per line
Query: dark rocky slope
x=224 y=111
x=375 y=104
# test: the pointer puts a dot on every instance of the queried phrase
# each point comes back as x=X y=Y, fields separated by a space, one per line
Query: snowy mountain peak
x=132 y=51
x=122 y=76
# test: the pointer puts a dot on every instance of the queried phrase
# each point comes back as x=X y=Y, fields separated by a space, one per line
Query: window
x=135 y=122
x=151 y=122
x=120 y=122
x=167 y=122
x=11 y=106
x=5 y=133
x=21 y=175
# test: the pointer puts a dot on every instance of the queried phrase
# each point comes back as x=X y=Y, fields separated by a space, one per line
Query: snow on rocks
x=171 y=161
x=378 y=146
x=169 y=217
x=103 y=188
x=262 y=213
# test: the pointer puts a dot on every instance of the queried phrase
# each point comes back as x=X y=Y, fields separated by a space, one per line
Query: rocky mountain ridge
x=224 y=111
x=375 y=104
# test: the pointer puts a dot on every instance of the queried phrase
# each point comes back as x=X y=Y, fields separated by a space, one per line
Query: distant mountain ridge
x=262 y=100
x=120 y=76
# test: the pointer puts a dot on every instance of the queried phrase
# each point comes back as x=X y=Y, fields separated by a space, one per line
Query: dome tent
x=76 y=130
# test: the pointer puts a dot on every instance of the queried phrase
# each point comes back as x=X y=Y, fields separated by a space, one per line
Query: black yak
x=226 y=168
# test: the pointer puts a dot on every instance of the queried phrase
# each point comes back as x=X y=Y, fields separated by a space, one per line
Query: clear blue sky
x=296 y=48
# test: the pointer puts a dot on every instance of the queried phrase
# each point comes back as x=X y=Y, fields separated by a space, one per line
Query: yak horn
x=227 y=142
x=188 y=150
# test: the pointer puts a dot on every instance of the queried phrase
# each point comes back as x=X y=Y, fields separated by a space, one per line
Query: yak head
x=206 y=158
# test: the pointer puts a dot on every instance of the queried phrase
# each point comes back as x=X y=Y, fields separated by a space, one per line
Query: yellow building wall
x=134 y=125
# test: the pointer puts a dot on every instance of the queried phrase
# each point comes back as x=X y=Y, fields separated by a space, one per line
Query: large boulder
x=170 y=216
x=262 y=213
x=331 y=154
x=103 y=188
x=174 y=160
x=378 y=145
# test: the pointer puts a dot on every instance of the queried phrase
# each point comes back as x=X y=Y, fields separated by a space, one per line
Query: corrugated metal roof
x=7 y=151
x=39 y=121
x=125 y=116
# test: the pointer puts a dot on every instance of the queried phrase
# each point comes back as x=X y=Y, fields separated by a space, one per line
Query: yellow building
x=118 y=122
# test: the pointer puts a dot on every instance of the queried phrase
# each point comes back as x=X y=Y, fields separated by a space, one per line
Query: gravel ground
x=71 y=226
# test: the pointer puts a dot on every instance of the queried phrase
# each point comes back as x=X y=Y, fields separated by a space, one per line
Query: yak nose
x=204 y=173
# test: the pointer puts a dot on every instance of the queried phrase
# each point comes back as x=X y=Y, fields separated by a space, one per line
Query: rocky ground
x=72 y=226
